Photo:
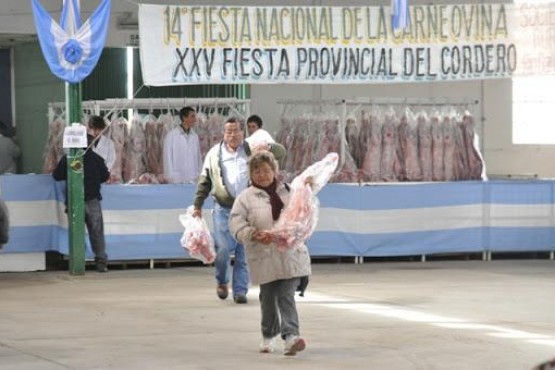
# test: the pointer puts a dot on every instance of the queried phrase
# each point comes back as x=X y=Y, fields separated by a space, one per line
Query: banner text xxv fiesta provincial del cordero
x=295 y=44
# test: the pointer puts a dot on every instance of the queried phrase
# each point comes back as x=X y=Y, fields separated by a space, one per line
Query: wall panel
x=35 y=87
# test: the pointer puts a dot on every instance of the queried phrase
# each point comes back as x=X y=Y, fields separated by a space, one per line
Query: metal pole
x=75 y=187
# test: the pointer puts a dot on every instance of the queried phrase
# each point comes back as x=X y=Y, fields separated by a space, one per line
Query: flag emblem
x=72 y=48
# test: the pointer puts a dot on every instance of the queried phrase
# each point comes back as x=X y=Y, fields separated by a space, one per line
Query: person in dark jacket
x=4 y=224
x=95 y=173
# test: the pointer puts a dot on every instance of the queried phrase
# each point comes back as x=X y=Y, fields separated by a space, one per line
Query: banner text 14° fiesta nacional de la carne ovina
x=300 y=44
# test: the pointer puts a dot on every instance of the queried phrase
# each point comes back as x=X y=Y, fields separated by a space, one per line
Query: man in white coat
x=182 y=158
x=104 y=146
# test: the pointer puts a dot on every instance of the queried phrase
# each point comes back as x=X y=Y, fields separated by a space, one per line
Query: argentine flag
x=399 y=14
x=70 y=48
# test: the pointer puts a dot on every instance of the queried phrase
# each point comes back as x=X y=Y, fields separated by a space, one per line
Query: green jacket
x=211 y=180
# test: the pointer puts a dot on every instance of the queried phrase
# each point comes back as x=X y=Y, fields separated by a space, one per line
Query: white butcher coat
x=182 y=158
x=107 y=150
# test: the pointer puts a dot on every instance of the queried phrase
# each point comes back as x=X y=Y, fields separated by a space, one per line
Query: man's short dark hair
x=184 y=112
x=256 y=119
x=235 y=120
x=97 y=122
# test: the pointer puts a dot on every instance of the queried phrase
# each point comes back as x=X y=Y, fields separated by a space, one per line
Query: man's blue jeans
x=225 y=246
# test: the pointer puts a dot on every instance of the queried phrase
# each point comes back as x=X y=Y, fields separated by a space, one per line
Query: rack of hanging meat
x=383 y=140
x=137 y=128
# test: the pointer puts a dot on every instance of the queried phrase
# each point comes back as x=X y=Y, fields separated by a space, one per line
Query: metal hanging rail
x=380 y=101
x=310 y=101
x=410 y=101
x=240 y=107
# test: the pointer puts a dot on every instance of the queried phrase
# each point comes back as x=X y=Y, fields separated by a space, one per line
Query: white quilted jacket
x=252 y=211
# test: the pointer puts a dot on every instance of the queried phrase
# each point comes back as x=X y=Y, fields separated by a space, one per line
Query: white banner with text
x=299 y=44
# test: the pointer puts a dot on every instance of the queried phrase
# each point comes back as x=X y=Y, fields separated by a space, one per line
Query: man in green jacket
x=224 y=175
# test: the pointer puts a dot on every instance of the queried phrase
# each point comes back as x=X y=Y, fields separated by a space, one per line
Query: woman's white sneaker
x=267 y=345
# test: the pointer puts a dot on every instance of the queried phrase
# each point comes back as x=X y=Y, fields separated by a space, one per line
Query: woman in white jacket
x=277 y=272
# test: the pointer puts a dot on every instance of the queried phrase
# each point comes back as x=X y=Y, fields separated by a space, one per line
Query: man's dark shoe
x=101 y=267
x=222 y=291
x=240 y=299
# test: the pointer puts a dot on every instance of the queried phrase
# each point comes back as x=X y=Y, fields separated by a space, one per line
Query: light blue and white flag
x=400 y=16
x=70 y=48
x=70 y=19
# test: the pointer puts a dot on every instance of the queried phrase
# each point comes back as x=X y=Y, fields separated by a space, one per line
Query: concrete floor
x=411 y=315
